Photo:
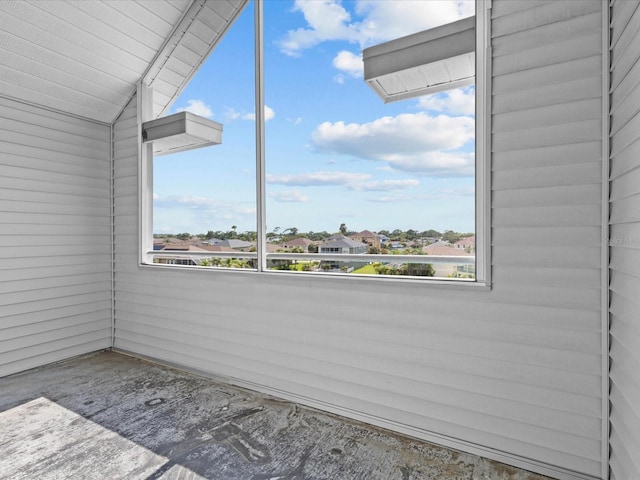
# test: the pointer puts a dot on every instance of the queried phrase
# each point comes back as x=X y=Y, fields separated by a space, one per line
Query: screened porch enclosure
x=538 y=369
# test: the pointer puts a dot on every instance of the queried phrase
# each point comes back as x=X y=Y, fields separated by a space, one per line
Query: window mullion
x=261 y=230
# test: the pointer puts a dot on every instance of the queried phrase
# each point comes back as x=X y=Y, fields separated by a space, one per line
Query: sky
x=335 y=153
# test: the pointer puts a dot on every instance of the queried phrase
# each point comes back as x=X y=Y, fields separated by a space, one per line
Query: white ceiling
x=85 y=57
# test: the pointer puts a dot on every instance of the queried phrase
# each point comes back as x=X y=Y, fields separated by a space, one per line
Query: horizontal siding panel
x=555 y=277
x=47 y=219
x=621 y=13
x=93 y=309
x=448 y=320
x=546 y=216
x=547 y=156
x=548 y=115
x=555 y=256
x=44 y=187
x=55 y=236
x=626 y=261
x=626 y=136
x=53 y=292
x=576 y=132
x=558 y=31
x=58 y=352
x=542 y=93
x=547 y=236
x=528 y=16
x=551 y=77
x=48 y=144
x=28 y=335
x=86 y=231
x=50 y=208
x=101 y=337
x=625 y=235
x=548 y=196
x=61 y=281
x=553 y=175
x=623 y=460
x=626 y=160
x=541 y=55
x=625 y=185
x=621 y=59
x=626 y=209
x=439 y=352
x=37 y=117
x=55 y=198
x=625 y=99
x=625 y=241
x=53 y=165
x=40 y=305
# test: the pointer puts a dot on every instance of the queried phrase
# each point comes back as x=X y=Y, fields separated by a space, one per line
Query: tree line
x=278 y=235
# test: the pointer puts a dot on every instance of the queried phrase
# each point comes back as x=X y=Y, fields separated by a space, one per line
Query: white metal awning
x=426 y=62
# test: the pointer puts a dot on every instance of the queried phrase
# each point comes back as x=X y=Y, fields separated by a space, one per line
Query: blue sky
x=335 y=153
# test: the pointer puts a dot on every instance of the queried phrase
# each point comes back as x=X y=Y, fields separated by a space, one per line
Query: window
x=372 y=168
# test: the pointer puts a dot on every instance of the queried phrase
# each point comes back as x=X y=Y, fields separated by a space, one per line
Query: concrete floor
x=111 y=416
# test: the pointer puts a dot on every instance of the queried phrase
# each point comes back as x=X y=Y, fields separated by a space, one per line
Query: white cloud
x=388 y=185
x=349 y=63
x=457 y=101
x=415 y=142
x=327 y=20
x=349 y=180
x=197 y=107
x=389 y=20
x=289 y=196
x=268 y=114
x=222 y=209
x=377 y=21
x=318 y=178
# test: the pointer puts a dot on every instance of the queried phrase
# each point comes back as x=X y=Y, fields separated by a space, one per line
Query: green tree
x=343 y=229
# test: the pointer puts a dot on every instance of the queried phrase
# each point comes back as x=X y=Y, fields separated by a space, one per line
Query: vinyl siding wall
x=55 y=236
x=513 y=372
x=625 y=240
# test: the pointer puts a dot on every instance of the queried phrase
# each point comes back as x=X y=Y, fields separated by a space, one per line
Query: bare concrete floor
x=110 y=416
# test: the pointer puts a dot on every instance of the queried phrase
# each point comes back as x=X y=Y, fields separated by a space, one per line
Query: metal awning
x=426 y=62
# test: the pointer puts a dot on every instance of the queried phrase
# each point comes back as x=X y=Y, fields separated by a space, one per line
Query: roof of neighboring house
x=366 y=233
x=466 y=241
x=182 y=247
x=444 y=248
x=217 y=248
x=343 y=242
x=234 y=243
x=298 y=242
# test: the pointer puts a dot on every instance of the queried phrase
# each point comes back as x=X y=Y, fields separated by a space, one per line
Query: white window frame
x=482 y=163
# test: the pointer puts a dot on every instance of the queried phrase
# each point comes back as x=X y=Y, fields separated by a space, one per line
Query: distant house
x=212 y=241
x=343 y=245
x=467 y=243
x=300 y=242
x=177 y=260
x=240 y=245
x=370 y=238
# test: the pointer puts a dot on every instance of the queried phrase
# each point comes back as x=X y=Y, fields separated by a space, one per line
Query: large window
x=362 y=168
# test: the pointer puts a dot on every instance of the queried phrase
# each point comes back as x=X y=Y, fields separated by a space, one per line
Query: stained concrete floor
x=111 y=416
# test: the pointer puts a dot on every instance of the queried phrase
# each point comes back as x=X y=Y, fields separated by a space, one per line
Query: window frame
x=482 y=164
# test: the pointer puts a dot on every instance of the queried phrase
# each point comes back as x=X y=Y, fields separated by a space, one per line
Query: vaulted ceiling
x=85 y=57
